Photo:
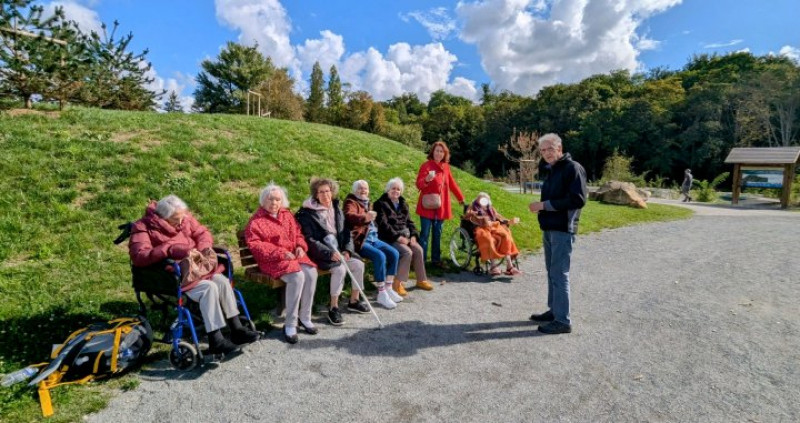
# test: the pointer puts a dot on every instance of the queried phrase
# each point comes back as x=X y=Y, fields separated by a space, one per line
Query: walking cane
x=333 y=243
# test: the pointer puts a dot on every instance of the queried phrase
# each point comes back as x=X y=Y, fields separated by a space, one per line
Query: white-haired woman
x=492 y=235
x=278 y=246
x=169 y=231
x=360 y=220
x=396 y=227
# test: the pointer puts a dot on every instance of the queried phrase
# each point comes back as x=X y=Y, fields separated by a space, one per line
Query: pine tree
x=173 y=103
x=223 y=83
x=315 y=105
x=335 y=98
x=117 y=78
x=25 y=62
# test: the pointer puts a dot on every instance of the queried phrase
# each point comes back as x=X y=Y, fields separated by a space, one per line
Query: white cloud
x=87 y=19
x=438 y=22
x=528 y=44
x=721 y=45
x=420 y=69
x=790 y=52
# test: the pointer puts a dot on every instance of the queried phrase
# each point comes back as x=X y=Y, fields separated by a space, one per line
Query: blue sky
x=388 y=47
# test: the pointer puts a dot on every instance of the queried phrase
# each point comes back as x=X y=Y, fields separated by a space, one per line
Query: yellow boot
x=398 y=287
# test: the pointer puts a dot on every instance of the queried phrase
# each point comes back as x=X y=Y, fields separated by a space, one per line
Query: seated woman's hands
x=402 y=240
x=179 y=251
x=298 y=254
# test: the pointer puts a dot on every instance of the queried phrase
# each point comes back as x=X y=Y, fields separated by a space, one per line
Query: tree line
x=51 y=58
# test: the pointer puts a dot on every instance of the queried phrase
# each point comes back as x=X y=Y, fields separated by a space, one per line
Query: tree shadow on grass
x=405 y=339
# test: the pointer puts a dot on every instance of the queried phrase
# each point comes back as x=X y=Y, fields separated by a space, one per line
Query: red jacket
x=443 y=183
x=270 y=238
x=154 y=240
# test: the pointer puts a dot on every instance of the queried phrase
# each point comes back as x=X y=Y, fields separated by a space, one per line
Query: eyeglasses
x=546 y=149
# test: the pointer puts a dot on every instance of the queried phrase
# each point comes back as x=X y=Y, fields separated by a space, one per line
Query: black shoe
x=358 y=307
x=335 y=317
x=309 y=330
x=244 y=336
x=555 y=328
x=290 y=339
x=218 y=344
x=547 y=316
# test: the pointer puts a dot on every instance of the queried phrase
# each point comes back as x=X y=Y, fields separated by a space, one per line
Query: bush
x=469 y=167
x=410 y=135
x=618 y=168
x=707 y=191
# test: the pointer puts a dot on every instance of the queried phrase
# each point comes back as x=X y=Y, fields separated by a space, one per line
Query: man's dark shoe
x=555 y=328
x=358 y=307
x=244 y=336
x=311 y=330
x=547 y=316
x=290 y=339
x=335 y=317
x=219 y=344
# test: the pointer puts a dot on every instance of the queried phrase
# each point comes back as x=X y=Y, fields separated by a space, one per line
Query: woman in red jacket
x=435 y=182
x=169 y=231
x=278 y=247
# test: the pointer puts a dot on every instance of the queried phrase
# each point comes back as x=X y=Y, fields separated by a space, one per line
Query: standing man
x=686 y=186
x=563 y=196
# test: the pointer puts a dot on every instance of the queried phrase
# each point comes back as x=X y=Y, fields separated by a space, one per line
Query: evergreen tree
x=315 y=106
x=25 y=59
x=335 y=98
x=173 y=104
x=223 y=83
x=117 y=78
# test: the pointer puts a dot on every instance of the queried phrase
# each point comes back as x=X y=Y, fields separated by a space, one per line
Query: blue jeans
x=383 y=256
x=436 y=248
x=557 y=252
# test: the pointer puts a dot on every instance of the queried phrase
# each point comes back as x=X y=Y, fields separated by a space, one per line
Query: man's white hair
x=551 y=137
x=168 y=205
x=357 y=184
x=395 y=181
x=269 y=189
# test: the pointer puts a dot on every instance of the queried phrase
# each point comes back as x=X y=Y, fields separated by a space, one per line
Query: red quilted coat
x=270 y=238
x=153 y=239
x=442 y=184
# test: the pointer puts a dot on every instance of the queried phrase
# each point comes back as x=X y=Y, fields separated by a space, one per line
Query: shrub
x=707 y=191
x=410 y=135
x=618 y=168
x=469 y=167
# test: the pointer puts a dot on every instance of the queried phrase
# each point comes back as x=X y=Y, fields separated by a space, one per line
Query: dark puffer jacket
x=314 y=230
x=391 y=222
x=564 y=194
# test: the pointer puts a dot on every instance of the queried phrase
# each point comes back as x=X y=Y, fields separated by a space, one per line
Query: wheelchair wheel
x=461 y=248
x=247 y=322
x=185 y=357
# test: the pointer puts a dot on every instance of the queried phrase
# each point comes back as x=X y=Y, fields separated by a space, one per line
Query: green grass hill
x=67 y=180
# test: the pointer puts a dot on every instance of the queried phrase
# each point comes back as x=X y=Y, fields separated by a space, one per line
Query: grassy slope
x=68 y=181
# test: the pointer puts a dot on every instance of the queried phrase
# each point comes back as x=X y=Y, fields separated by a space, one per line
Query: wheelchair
x=464 y=249
x=161 y=284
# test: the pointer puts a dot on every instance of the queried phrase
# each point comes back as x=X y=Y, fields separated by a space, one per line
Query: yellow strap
x=97 y=361
x=115 y=350
x=44 y=399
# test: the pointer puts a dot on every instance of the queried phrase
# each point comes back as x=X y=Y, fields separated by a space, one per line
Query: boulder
x=623 y=193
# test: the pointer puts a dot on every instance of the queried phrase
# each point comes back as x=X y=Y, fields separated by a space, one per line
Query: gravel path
x=695 y=320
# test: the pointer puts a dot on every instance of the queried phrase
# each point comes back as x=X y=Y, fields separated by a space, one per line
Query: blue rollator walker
x=161 y=284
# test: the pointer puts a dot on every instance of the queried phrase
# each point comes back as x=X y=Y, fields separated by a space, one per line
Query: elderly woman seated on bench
x=492 y=234
x=169 y=231
x=278 y=246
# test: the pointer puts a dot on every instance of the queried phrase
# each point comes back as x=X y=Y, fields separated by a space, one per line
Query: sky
x=390 y=47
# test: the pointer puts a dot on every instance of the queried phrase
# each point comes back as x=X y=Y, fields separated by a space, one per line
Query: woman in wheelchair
x=492 y=235
x=274 y=237
x=169 y=231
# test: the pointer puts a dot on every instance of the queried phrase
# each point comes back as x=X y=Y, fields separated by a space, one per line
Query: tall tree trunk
x=28 y=102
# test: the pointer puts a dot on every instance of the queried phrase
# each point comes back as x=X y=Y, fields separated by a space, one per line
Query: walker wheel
x=184 y=357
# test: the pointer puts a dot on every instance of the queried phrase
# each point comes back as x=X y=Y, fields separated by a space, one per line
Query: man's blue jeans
x=557 y=252
x=425 y=230
x=383 y=256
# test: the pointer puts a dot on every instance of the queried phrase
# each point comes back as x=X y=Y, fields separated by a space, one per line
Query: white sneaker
x=385 y=300
x=393 y=295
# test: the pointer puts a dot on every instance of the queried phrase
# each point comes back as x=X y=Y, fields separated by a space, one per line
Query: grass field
x=67 y=180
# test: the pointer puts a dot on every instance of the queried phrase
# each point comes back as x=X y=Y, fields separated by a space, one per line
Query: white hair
x=359 y=183
x=272 y=186
x=168 y=205
x=395 y=181
x=551 y=137
x=483 y=194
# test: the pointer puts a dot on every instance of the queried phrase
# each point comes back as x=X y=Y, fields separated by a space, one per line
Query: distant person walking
x=686 y=186
x=563 y=197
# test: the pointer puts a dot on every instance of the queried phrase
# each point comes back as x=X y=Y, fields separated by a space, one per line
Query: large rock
x=623 y=193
